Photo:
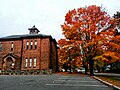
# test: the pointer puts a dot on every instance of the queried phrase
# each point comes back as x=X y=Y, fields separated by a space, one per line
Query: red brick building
x=31 y=51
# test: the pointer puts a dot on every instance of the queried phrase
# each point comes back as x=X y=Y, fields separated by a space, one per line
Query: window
x=12 y=45
x=30 y=62
x=31 y=45
x=27 y=45
x=0 y=46
x=36 y=31
x=35 y=44
x=26 y=62
x=35 y=62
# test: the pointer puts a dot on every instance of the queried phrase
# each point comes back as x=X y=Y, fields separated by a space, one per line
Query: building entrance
x=8 y=64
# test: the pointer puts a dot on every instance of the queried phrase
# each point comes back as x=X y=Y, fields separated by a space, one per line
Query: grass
x=113 y=80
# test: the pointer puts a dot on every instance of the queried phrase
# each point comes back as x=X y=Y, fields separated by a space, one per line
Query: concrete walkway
x=108 y=74
x=51 y=82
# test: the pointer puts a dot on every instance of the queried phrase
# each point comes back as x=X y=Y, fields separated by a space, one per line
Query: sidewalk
x=110 y=82
x=107 y=74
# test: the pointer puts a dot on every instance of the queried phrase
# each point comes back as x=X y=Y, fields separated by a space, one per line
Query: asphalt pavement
x=51 y=82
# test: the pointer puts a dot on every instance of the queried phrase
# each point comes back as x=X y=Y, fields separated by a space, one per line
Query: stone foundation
x=25 y=72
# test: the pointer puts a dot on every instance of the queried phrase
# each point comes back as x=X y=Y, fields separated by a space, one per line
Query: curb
x=109 y=84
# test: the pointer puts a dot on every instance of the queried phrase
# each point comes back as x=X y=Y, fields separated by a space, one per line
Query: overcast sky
x=16 y=16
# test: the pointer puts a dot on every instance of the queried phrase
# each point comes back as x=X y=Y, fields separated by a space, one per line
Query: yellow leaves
x=98 y=57
x=90 y=30
x=111 y=56
x=105 y=59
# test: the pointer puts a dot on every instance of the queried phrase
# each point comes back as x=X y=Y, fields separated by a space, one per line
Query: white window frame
x=31 y=45
x=27 y=45
x=30 y=62
x=35 y=61
x=26 y=62
x=35 y=44
x=12 y=46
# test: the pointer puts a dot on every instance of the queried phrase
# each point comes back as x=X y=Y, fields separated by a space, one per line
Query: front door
x=9 y=64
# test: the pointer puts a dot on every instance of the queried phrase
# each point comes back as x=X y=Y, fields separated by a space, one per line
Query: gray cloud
x=16 y=16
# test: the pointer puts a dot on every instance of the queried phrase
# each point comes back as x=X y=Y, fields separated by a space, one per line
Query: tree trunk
x=98 y=68
x=86 y=69
x=91 y=63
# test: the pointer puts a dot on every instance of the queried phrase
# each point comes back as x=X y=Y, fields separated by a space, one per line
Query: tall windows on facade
x=0 y=47
x=30 y=62
x=31 y=45
x=27 y=45
x=35 y=44
x=26 y=62
x=12 y=45
x=35 y=60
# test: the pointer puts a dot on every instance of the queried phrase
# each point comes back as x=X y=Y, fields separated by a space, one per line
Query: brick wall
x=53 y=56
x=42 y=53
x=31 y=53
x=6 y=49
x=45 y=53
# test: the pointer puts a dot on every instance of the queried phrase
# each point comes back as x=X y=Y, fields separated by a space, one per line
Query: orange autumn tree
x=69 y=56
x=114 y=47
x=112 y=53
x=89 y=28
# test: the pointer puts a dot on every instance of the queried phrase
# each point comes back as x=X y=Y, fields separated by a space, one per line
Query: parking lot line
x=73 y=81
x=76 y=85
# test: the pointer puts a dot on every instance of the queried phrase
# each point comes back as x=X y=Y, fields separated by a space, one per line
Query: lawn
x=113 y=80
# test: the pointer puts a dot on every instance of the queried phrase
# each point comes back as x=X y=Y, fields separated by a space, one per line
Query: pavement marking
x=70 y=79
x=59 y=80
x=73 y=81
x=76 y=85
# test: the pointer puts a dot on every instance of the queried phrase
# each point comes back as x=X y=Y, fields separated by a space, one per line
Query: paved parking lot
x=51 y=82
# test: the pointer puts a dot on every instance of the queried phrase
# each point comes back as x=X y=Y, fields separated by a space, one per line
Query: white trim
x=76 y=85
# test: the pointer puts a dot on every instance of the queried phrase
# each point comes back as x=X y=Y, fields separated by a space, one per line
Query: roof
x=33 y=28
x=25 y=36
x=12 y=55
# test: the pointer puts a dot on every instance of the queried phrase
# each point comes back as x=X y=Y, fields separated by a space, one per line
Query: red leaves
x=91 y=30
x=84 y=20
